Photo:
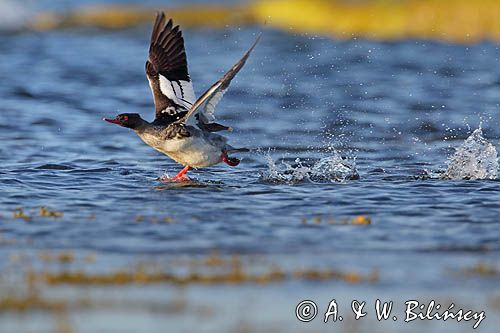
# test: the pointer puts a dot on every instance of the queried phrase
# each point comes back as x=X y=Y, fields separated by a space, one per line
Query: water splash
x=475 y=159
x=332 y=168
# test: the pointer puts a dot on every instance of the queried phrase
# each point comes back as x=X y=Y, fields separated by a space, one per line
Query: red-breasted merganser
x=193 y=145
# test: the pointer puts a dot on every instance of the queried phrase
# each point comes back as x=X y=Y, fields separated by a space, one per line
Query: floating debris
x=475 y=159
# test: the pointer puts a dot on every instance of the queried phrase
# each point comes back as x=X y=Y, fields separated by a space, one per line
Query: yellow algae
x=325 y=275
x=168 y=219
x=66 y=257
x=484 y=269
x=60 y=307
x=357 y=220
x=235 y=262
x=214 y=259
x=352 y=277
x=30 y=302
x=89 y=258
x=361 y=220
x=45 y=212
x=45 y=257
x=462 y=21
x=275 y=274
x=15 y=257
x=211 y=269
x=20 y=214
x=236 y=275
x=154 y=220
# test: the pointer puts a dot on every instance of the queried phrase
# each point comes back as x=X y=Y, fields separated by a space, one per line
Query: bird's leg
x=231 y=161
x=181 y=176
x=182 y=172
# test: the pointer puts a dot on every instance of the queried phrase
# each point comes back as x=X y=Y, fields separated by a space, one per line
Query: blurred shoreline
x=457 y=21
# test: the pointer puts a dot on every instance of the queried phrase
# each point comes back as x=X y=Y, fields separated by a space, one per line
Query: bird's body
x=174 y=132
x=186 y=145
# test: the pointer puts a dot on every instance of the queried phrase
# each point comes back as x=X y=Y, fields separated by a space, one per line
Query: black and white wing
x=167 y=72
x=214 y=94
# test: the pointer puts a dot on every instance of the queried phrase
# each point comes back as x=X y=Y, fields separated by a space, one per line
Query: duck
x=184 y=127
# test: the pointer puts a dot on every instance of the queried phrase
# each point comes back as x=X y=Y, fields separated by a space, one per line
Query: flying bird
x=184 y=127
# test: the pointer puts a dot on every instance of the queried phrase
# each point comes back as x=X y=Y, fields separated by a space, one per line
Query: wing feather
x=214 y=94
x=167 y=71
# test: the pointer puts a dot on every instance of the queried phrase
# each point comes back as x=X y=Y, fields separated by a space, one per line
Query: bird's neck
x=142 y=126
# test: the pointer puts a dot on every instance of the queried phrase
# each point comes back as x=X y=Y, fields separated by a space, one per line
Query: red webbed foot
x=180 y=177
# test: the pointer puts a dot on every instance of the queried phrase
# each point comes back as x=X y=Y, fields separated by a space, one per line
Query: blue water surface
x=397 y=108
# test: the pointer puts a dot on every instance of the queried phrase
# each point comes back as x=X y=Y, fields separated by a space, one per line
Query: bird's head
x=129 y=120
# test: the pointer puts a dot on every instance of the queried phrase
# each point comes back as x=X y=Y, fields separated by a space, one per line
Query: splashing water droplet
x=332 y=168
x=475 y=159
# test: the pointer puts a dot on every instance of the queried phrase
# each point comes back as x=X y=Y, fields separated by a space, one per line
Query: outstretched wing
x=214 y=94
x=167 y=71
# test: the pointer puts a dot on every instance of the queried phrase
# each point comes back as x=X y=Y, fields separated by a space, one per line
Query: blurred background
x=374 y=175
x=447 y=20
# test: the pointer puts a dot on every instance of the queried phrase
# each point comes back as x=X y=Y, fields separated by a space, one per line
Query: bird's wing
x=167 y=71
x=214 y=94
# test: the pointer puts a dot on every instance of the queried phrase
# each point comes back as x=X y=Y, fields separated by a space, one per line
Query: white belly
x=194 y=151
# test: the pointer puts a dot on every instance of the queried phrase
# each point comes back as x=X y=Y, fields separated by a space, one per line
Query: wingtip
x=160 y=16
x=259 y=36
x=255 y=43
